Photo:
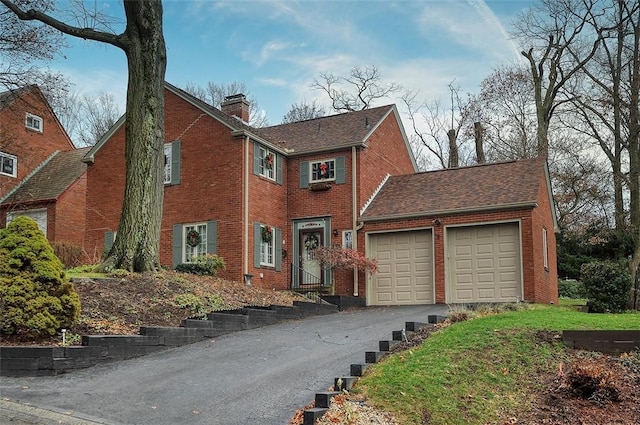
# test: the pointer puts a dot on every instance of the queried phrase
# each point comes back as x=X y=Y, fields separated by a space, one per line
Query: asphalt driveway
x=260 y=376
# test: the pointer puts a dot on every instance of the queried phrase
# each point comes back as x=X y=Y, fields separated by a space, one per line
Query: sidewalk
x=24 y=414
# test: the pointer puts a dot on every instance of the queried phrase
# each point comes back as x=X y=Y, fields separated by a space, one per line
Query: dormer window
x=8 y=165
x=323 y=170
x=33 y=122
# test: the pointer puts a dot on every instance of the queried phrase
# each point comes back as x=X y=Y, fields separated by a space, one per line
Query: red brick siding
x=268 y=206
x=70 y=220
x=386 y=153
x=545 y=280
x=31 y=147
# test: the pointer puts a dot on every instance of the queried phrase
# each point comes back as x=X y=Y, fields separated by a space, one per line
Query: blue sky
x=277 y=48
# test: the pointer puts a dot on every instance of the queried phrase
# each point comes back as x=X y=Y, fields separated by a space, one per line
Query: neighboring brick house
x=263 y=198
x=29 y=134
x=55 y=197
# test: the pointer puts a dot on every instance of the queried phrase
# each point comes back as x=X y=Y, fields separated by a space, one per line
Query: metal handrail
x=309 y=281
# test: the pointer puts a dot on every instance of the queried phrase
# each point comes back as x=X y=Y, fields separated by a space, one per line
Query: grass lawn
x=479 y=371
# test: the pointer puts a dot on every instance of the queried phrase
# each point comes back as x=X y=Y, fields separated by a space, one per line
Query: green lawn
x=478 y=371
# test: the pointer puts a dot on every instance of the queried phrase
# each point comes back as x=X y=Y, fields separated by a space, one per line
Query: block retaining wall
x=95 y=349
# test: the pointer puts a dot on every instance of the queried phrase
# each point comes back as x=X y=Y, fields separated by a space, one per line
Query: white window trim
x=347 y=239
x=201 y=249
x=15 y=164
x=34 y=118
x=268 y=173
x=265 y=246
x=167 y=166
x=545 y=249
x=311 y=163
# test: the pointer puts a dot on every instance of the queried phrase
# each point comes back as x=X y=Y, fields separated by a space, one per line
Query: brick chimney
x=237 y=105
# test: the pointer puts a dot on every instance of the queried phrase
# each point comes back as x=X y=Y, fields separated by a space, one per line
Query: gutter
x=512 y=206
x=245 y=214
x=354 y=214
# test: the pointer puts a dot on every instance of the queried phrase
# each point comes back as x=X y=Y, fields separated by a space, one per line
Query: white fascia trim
x=375 y=192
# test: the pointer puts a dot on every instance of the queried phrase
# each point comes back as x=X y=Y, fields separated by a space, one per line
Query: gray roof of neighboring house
x=51 y=179
x=466 y=189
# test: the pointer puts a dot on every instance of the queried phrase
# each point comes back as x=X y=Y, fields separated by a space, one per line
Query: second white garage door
x=484 y=263
x=405 y=268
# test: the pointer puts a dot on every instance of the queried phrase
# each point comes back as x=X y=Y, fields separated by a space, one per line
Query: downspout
x=245 y=217
x=354 y=212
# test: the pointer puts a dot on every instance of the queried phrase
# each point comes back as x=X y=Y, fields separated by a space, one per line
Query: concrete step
x=344 y=383
x=374 y=356
x=387 y=345
x=402 y=335
x=323 y=399
x=414 y=326
x=311 y=415
x=359 y=369
x=435 y=318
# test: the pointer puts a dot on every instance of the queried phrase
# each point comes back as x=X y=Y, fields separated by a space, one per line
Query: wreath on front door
x=311 y=242
x=193 y=238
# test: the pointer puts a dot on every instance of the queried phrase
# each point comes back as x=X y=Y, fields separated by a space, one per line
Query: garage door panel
x=407 y=269
x=492 y=273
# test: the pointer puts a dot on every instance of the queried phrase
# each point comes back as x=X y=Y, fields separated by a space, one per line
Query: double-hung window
x=167 y=163
x=8 y=165
x=267 y=163
x=323 y=170
x=33 y=122
x=267 y=246
x=195 y=241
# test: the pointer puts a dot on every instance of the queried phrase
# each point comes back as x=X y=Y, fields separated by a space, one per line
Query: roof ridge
x=484 y=164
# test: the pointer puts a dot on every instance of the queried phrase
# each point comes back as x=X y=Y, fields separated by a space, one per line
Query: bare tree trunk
x=137 y=244
x=478 y=133
x=454 y=160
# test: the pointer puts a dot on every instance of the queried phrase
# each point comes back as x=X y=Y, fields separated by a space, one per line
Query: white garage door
x=405 y=268
x=484 y=263
x=39 y=216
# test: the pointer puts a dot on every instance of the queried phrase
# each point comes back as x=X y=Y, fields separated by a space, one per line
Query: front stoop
x=345 y=383
x=95 y=349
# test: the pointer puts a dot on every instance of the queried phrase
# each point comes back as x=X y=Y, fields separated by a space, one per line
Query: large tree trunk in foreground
x=137 y=243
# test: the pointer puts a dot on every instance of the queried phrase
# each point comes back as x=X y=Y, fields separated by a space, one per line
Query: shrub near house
x=37 y=299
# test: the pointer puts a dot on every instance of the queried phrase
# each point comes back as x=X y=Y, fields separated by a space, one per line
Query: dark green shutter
x=304 y=174
x=109 y=237
x=278 y=250
x=279 y=160
x=212 y=237
x=341 y=170
x=177 y=244
x=257 y=239
x=175 y=162
x=256 y=159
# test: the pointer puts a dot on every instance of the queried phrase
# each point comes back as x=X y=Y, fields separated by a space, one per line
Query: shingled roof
x=52 y=179
x=485 y=187
x=330 y=132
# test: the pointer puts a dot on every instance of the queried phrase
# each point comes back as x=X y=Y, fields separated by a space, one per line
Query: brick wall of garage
x=545 y=280
x=527 y=244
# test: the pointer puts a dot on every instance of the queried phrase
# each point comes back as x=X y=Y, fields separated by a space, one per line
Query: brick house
x=263 y=198
x=41 y=174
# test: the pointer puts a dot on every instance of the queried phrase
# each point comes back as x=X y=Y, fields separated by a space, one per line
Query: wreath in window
x=193 y=238
x=311 y=242
x=268 y=161
x=267 y=234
